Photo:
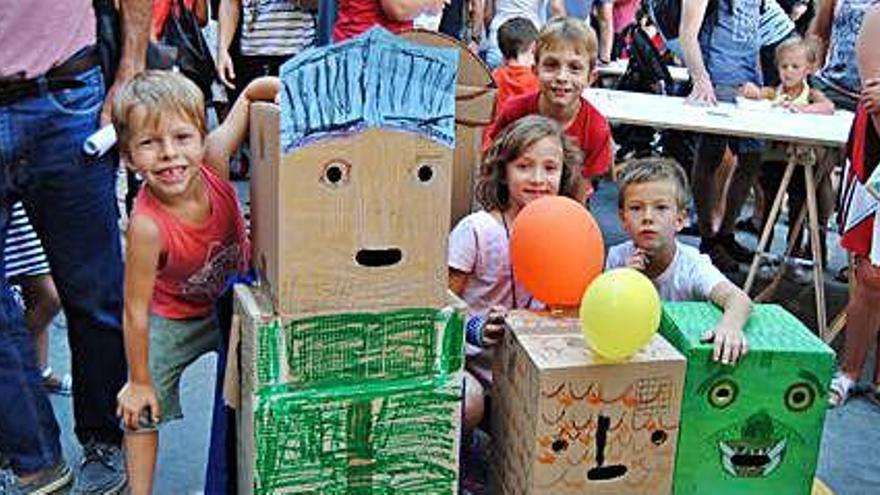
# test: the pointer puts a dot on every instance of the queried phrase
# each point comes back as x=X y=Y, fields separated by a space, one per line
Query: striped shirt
x=275 y=28
x=775 y=25
x=23 y=252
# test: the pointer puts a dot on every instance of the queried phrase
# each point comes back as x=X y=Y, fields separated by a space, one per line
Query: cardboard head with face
x=569 y=422
x=755 y=427
x=367 y=132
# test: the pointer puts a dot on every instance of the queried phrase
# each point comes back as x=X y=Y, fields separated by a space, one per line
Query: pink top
x=480 y=245
x=196 y=260
x=36 y=35
x=624 y=13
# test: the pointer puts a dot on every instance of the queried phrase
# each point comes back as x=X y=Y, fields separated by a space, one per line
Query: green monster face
x=754 y=427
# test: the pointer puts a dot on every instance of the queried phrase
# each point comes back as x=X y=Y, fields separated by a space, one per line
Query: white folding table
x=670 y=112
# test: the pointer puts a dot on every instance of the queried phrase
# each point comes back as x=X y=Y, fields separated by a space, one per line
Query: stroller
x=647 y=72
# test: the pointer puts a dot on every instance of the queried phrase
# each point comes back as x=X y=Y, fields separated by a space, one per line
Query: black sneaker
x=102 y=471
x=736 y=250
x=719 y=256
x=47 y=481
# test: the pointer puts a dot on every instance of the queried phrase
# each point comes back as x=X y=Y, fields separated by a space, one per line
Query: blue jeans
x=71 y=201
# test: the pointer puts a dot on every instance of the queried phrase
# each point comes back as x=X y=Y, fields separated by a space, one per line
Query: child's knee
x=474 y=402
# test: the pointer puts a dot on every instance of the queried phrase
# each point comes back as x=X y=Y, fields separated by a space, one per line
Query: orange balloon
x=556 y=250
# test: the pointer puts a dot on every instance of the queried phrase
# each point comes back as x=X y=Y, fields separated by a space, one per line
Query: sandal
x=840 y=390
x=61 y=385
x=873 y=394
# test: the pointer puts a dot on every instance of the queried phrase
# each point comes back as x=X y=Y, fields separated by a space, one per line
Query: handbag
x=183 y=46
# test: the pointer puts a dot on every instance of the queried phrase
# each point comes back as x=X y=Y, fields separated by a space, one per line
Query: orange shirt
x=513 y=80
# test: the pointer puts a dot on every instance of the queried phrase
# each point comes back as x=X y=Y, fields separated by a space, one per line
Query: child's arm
x=605 y=19
x=483 y=331
x=754 y=92
x=730 y=343
x=141 y=260
x=224 y=140
x=557 y=8
x=819 y=104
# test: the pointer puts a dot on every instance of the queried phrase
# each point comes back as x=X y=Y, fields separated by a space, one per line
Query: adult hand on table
x=703 y=94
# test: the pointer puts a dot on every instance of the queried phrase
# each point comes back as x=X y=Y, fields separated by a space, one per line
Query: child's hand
x=132 y=399
x=750 y=91
x=730 y=344
x=639 y=260
x=493 y=329
x=871 y=95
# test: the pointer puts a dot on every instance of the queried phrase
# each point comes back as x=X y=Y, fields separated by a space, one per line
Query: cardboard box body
x=474 y=109
x=567 y=422
x=754 y=427
x=348 y=402
x=325 y=247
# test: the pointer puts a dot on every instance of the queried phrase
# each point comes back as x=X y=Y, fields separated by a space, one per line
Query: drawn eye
x=799 y=397
x=425 y=173
x=559 y=445
x=335 y=173
x=723 y=393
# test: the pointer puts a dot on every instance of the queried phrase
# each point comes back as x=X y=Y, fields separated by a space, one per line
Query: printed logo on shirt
x=210 y=280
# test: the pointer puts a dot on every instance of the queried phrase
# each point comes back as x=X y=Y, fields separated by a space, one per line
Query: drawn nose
x=374 y=258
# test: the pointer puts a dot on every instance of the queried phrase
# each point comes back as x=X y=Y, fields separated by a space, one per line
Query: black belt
x=62 y=76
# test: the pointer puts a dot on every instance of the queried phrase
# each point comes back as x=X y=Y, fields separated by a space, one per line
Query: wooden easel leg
x=769 y=224
x=818 y=272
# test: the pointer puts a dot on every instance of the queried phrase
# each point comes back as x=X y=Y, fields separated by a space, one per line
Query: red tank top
x=353 y=17
x=196 y=261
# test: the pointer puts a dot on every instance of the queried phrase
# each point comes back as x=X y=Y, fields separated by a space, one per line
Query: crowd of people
x=135 y=316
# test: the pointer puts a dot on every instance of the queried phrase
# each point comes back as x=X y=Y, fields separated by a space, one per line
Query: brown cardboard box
x=567 y=422
x=376 y=238
x=474 y=110
x=348 y=403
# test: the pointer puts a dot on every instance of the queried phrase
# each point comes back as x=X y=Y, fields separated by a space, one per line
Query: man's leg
x=71 y=201
x=709 y=153
x=747 y=169
x=29 y=434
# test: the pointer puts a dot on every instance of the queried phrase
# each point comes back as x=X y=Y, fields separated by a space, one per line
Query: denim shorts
x=174 y=345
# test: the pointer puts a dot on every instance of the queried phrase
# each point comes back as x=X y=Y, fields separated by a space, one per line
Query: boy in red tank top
x=185 y=239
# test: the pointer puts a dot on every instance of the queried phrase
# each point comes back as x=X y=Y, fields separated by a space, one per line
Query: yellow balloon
x=620 y=312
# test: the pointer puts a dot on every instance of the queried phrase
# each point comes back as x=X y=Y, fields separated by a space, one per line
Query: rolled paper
x=100 y=142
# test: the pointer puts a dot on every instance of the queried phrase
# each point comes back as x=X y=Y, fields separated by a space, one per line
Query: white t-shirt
x=690 y=277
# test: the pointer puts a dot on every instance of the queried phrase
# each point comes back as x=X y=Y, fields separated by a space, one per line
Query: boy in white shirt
x=652 y=206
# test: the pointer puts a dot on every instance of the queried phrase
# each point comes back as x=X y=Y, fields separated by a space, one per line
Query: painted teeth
x=728 y=466
x=726 y=450
x=777 y=450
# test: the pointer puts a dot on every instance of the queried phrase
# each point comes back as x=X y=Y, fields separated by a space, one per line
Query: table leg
x=818 y=272
x=769 y=224
x=770 y=289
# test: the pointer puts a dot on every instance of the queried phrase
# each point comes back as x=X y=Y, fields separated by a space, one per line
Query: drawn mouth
x=746 y=462
x=374 y=258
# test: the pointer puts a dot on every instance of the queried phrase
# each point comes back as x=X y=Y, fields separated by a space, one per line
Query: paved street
x=848 y=462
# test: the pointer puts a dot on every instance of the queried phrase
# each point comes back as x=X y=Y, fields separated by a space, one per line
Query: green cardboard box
x=754 y=427
x=366 y=402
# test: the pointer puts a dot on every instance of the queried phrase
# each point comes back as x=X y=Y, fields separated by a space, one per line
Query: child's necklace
x=510 y=265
